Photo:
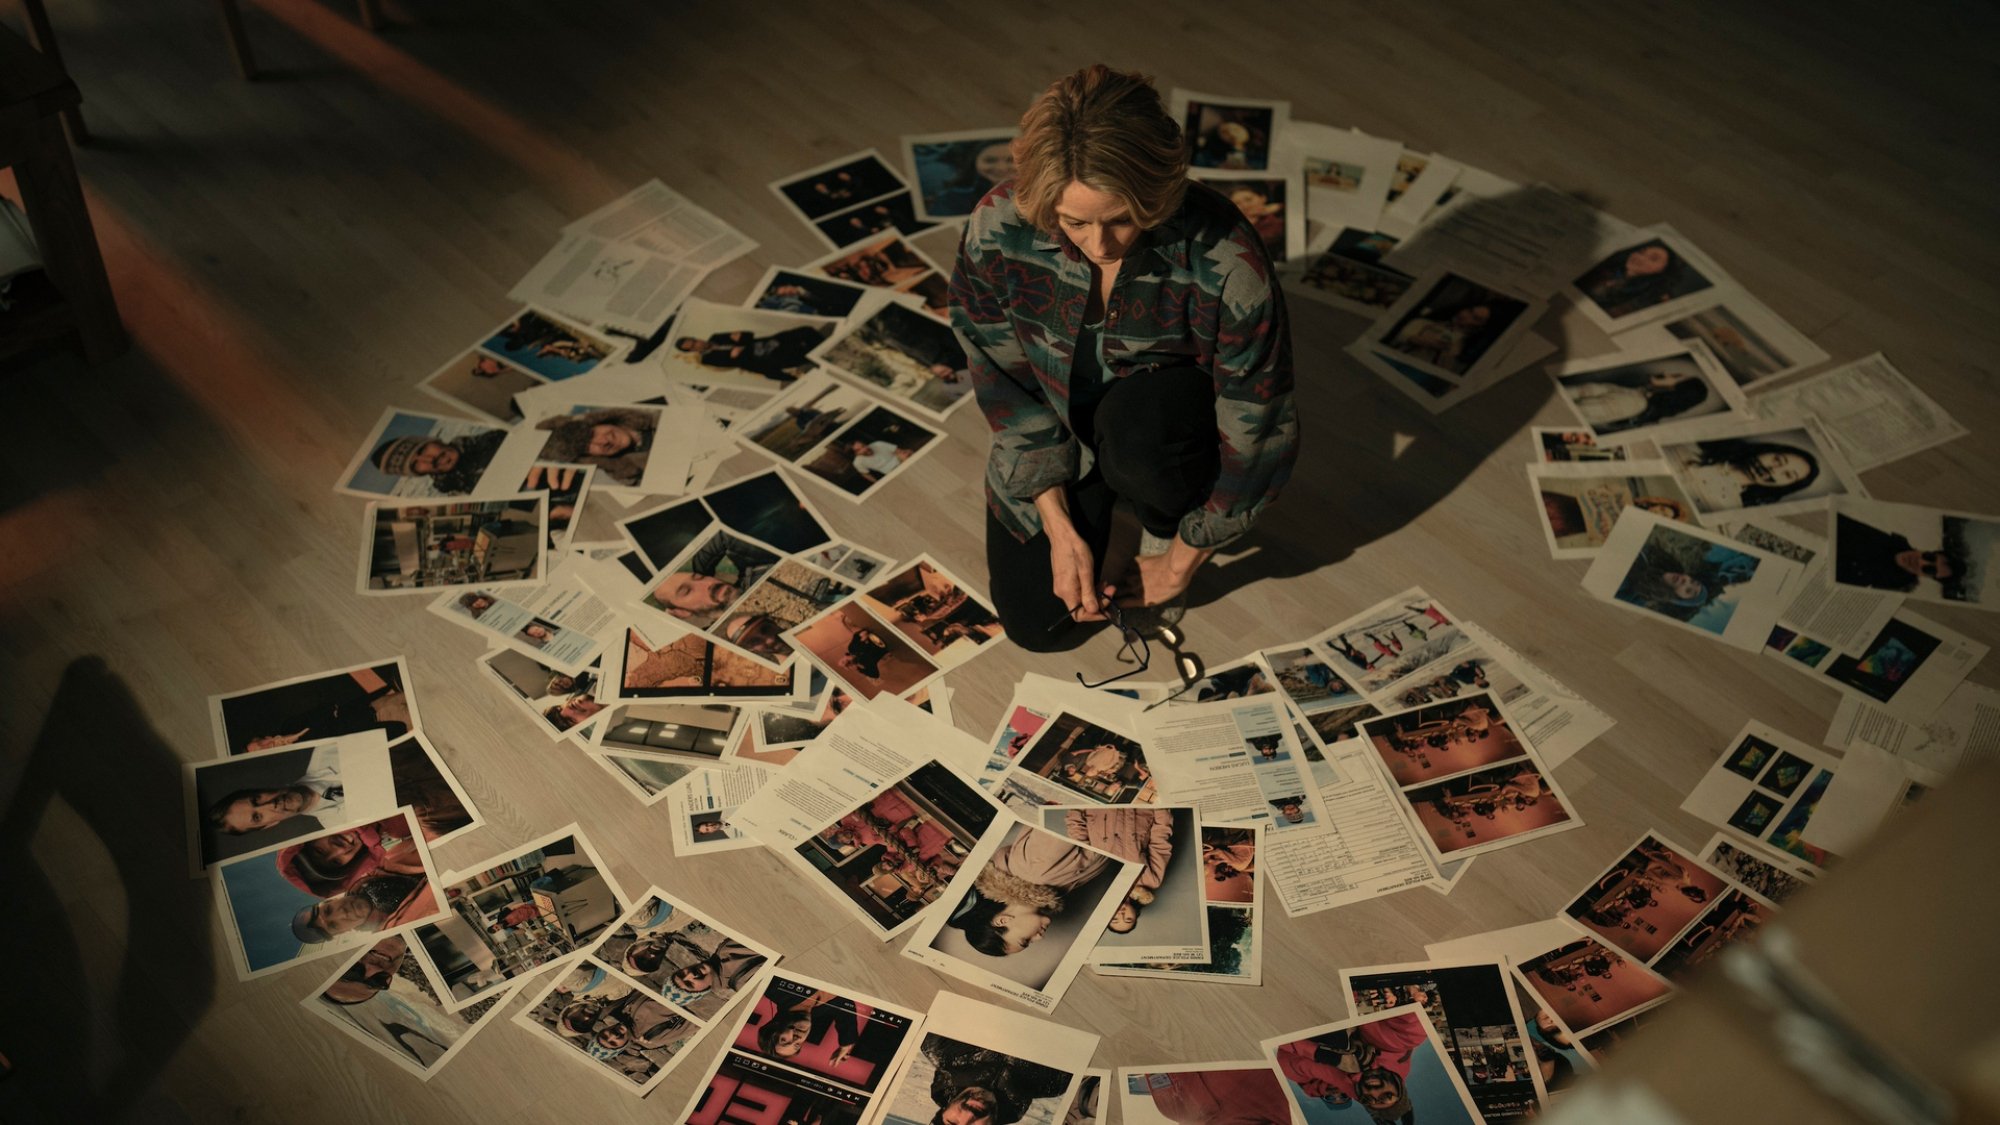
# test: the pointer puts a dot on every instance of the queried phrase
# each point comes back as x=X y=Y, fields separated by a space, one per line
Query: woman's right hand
x=1075 y=575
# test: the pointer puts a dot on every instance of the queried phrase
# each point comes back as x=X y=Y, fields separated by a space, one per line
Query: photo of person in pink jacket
x=1369 y=1064
x=1139 y=835
x=1022 y=889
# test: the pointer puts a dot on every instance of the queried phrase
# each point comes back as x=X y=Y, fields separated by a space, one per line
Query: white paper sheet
x=1873 y=411
x=1964 y=730
x=655 y=217
x=608 y=285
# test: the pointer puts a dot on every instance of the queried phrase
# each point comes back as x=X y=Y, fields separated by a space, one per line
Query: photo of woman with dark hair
x=1680 y=576
x=1639 y=395
x=1454 y=326
x=953 y=175
x=1729 y=474
x=1640 y=277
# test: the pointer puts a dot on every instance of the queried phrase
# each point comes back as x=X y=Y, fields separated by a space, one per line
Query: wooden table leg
x=239 y=41
x=53 y=198
x=42 y=37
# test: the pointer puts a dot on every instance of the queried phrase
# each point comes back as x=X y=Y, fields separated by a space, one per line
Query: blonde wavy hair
x=1107 y=130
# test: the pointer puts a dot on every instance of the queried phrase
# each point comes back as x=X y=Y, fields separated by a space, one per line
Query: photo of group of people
x=597 y=1015
x=851 y=198
x=1589 y=986
x=839 y=436
x=330 y=891
x=1379 y=648
x=895 y=854
x=727 y=345
x=531 y=349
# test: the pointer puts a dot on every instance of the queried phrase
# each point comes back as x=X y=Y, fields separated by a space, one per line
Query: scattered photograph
x=1350 y=275
x=1628 y=395
x=1657 y=274
x=683 y=956
x=421 y=456
x=724 y=345
x=744 y=1088
x=874 y=448
x=1164 y=916
x=1588 y=986
x=1235 y=938
x=1924 y=553
x=1557 y=445
x=1691 y=578
x=560 y=702
x=980 y=1063
x=617 y=441
x=1273 y=205
x=838 y=185
x=482 y=383
x=934 y=611
x=1235 y=133
x=697 y=733
x=1442 y=739
x=1778 y=468
x=1026 y=909
x=804 y=294
x=554 y=622
x=517 y=911
x=825 y=1031
x=382 y=999
x=1762 y=875
x=1478 y=1021
x=1735 y=917
x=326 y=893
x=1750 y=341
x=1478 y=811
x=250 y=802
x=316 y=706
x=491 y=543
x=1652 y=893
x=1383 y=645
x=801 y=421
x=1580 y=503
x=892 y=346
x=954 y=171
x=790 y=594
x=1453 y=327
x=550 y=347
x=884 y=262
x=1244 y=1091
x=697 y=588
x=1392 y=1064
x=600 y=1018
x=769 y=508
x=691 y=667
x=896 y=212
x=893 y=856
x=1089 y=761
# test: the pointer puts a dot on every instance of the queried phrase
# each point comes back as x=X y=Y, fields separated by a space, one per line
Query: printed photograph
x=1453 y=326
x=1750 y=757
x=1785 y=774
x=768 y=508
x=1929 y=555
x=313 y=707
x=952 y=1080
x=1227 y=134
x=934 y=612
x=648 y=779
x=1556 y=446
x=690 y=732
x=1627 y=398
x=1749 y=352
x=1588 y=985
x=562 y=702
x=1755 y=813
x=723 y=345
x=954 y=171
x=884 y=263
x=823 y=1032
x=659 y=534
x=383 y=999
x=1442 y=739
x=1473 y=1010
x=1164 y=914
x=896 y=212
x=439 y=546
x=1688 y=579
x=804 y=294
x=1477 y=810
x=1391 y=1066
x=1888 y=662
x=1734 y=917
x=1579 y=509
x=247 y=803
x=1093 y=763
x=1647 y=898
x=799 y=423
x=483 y=384
x=1246 y=1092
x=1789 y=834
x=1309 y=681
x=864 y=654
x=868 y=452
x=1387 y=643
x=789 y=595
x=617 y=441
x=1032 y=912
x=682 y=957
x=628 y=1035
x=1754 y=871
x=1350 y=274
x=1640 y=278
x=548 y=346
x=705 y=582
x=420 y=456
x=903 y=352
x=691 y=666
x=1272 y=207
x=517 y=912
x=896 y=854
x=325 y=893
x=1782 y=469
x=819 y=192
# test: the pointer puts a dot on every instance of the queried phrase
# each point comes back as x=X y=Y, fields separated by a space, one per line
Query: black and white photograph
x=1626 y=396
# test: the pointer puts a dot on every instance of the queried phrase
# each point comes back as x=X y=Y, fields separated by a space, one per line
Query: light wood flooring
x=293 y=254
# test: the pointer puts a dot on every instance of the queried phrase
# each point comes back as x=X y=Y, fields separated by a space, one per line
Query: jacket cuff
x=1023 y=474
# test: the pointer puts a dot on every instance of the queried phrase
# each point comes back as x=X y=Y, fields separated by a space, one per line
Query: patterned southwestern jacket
x=1197 y=290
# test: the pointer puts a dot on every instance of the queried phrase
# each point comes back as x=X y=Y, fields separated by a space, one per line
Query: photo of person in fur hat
x=614 y=439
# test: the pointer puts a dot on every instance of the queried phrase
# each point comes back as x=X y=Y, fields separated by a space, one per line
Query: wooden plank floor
x=295 y=253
